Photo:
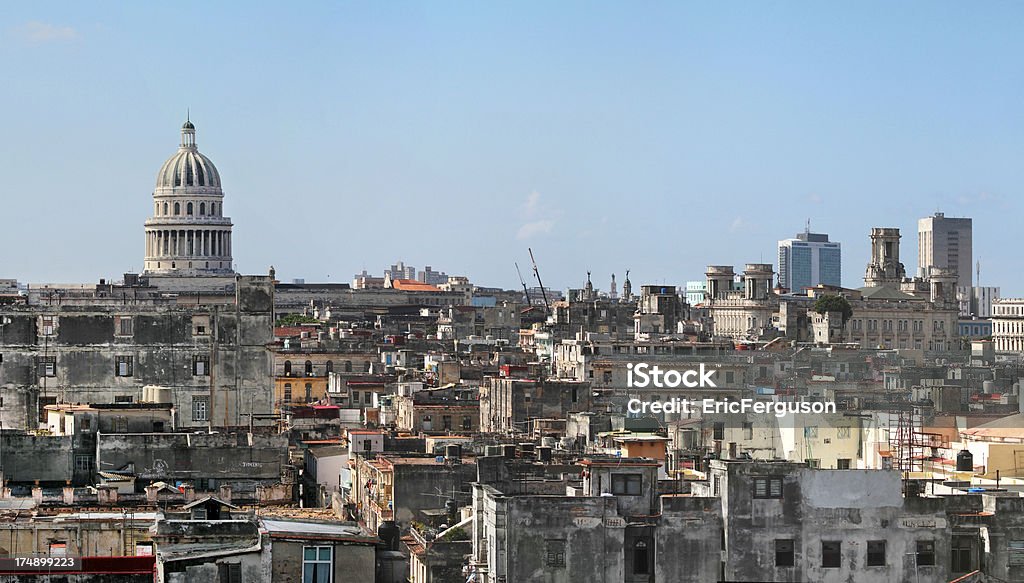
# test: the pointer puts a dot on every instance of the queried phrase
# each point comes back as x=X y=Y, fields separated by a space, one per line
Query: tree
x=295 y=320
x=832 y=303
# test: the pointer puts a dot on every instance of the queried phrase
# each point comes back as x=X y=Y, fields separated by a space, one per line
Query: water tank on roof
x=389 y=532
x=965 y=461
x=988 y=387
x=453 y=451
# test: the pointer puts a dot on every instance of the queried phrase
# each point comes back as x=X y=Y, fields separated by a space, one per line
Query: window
x=367 y=397
x=229 y=573
x=202 y=208
x=123 y=398
x=718 y=431
x=287 y=368
x=309 y=368
x=627 y=484
x=831 y=554
x=348 y=366
x=123 y=366
x=355 y=397
x=784 y=552
x=811 y=431
x=876 y=553
x=446 y=422
x=641 y=557
x=213 y=208
x=123 y=326
x=729 y=377
x=188 y=209
x=43 y=402
x=925 y=553
x=748 y=430
x=309 y=392
x=165 y=208
x=49 y=325
x=177 y=208
x=83 y=463
x=367 y=445
x=58 y=548
x=467 y=423
x=960 y=548
x=329 y=367
x=316 y=564
x=46 y=366
x=200 y=408
x=201 y=366
x=200 y=325
x=1015 y=553
x=554 y=553
x=843 y=464
x=843 y=432
x=288 y=392
x=768 y=487
x=427 y=423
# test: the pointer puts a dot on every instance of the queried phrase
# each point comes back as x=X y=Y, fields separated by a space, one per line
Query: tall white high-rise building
x=808 y=260
x=945 y=242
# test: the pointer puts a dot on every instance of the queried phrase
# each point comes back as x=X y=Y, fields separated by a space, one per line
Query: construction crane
x=526 y=292
x=536 y=273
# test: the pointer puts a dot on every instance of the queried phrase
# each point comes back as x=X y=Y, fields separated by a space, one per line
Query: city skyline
x=587 y=143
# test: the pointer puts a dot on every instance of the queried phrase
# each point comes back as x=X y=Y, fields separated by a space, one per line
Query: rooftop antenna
x=807 y=228
x=978 y=279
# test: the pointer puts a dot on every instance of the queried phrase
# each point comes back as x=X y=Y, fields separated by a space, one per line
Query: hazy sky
x=658 y=137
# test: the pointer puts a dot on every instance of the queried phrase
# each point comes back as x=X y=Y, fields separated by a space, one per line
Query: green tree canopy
x=832 y=303
x=295 y=320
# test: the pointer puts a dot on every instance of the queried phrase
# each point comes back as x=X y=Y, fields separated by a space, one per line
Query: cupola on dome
x=188 y=167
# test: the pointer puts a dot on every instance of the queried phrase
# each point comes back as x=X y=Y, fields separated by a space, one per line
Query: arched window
x=202 y=208
x=189 y=211
x=329 y=367
x=348 y=366
x=287 y=392
x=165 y=208
x=156 y=208
x=367 y=366
x=213 y=208
x=309 y=368
x=287 y=367
x=177 y=208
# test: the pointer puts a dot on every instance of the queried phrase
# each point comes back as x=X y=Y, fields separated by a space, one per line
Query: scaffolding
x=907 y=440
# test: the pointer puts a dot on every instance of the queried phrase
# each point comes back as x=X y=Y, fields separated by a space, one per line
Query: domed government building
x=188 y=234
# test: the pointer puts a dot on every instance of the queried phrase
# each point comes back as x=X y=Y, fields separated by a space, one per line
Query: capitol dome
x=188 y=234
x=187 y=166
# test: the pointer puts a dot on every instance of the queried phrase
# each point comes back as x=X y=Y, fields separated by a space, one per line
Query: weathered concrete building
x=507 y=404
x=611 y=527
x=211 y=359
x=787 y=522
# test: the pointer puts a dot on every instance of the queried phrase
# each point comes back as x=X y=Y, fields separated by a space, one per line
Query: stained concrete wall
x=189 y=456
x=847 y=506
x=352 y=562
x=26 y=458
x=163 y=347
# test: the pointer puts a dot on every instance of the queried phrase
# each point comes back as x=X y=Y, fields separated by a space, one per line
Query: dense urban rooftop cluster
x=188 y=423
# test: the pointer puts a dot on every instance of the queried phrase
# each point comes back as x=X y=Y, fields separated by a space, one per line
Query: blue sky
x=656 y=137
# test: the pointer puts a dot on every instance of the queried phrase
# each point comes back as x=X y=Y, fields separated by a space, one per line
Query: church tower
x=188 y=233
